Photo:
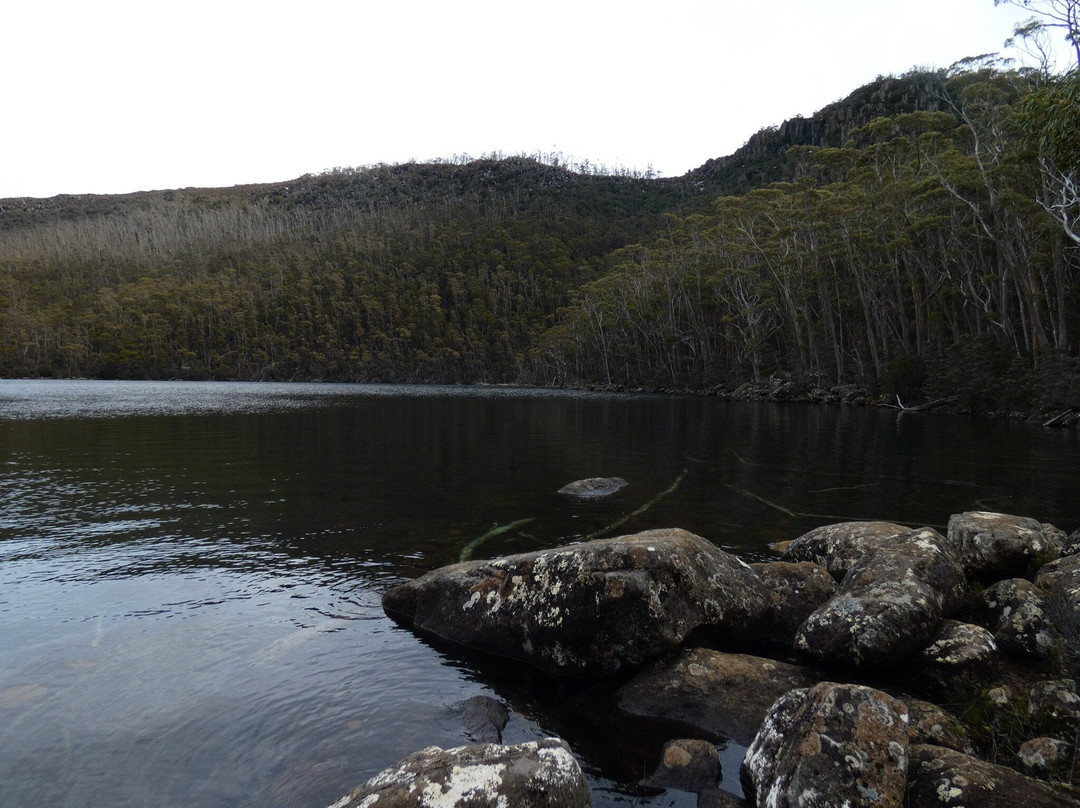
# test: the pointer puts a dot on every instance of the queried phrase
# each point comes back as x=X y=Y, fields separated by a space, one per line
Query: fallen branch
x=620 y=522
x=470 y=548
x=899 y=405
x=1057 y=419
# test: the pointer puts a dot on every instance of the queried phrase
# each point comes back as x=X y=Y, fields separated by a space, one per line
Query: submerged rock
x=726 y=695
x=540 y=774
x=686 y=765
x=889 y=603
x=829 y=745
x=993 y=546
x=840 y=546
x=593 y=487
x=484 y=718
x=588 y=609
x=796 y=590
x=943 y=777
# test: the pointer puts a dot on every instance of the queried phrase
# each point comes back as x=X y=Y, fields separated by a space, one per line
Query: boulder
x=929 y=723
x=838 y=547
x=589 y=609
x=993 y=546
x=1072 y=544
x=1060 y=580
x=1016 y=613
x=957 y=661
x=593 y=487
x=725 y=695
x=1054 y=708
x=537 y=774
x=1045 y=758
x=829 y=745
x=796 y=590
x=943 y=777
x=687 y=765
x=888 y=604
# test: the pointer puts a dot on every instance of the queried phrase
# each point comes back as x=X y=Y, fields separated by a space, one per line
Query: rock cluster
x=831 y=663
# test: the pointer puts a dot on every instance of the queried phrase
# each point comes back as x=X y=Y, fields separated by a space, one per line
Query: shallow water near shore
x=190 y=573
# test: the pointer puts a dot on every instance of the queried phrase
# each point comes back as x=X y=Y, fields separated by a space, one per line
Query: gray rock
x=796 y=590
x=484 y=718
x=943 y=777
x=957 y=661
x=931 y=724
x=1061 y=581
x=838 y=547
x=993 y=546
x=588 y=609
x=888 y=604
x=726 y=695
x=593 y=487
x=1045 y=758
x=829 y=745
x=1054 y=708
x=687 y=765
x=1016 y=613
x=536 y=774
x=1072 y=544
x=716 y=798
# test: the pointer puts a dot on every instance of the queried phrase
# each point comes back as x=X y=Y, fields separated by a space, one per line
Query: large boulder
x=939 y=777
x=888 y=605
x=594 y=608
x=726 y=695
x=838 y=547
x=532 y=775
x=796 y=590
x=829 y=745
x=993 y=546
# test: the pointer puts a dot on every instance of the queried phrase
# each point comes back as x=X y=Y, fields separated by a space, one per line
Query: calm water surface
x=190 y=574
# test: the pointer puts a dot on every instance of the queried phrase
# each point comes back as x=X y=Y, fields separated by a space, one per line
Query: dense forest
x=918 y=239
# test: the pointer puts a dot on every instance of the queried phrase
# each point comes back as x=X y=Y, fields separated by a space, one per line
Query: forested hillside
x=916 y=238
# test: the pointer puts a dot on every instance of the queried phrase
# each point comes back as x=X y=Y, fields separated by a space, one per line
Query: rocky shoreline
x=869 y=665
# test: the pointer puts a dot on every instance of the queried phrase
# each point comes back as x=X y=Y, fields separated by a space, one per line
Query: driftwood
x=899 y=405
x=1059 y=418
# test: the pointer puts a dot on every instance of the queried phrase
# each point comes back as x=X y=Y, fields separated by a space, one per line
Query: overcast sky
x=115 y=96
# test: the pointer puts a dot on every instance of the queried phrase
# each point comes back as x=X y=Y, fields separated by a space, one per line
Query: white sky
x=113 y=96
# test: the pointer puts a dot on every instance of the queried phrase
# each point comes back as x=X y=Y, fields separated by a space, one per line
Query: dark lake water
x=190 y=574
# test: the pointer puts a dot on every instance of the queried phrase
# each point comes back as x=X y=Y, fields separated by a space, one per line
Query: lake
x=190 y=573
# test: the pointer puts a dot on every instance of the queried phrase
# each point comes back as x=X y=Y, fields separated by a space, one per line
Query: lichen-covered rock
x=888 y=604
x=726 y=695
x=829 y=745
x=838 y=547
x=932 y=724
x=539 y=774
x=594 y=608
x=958 y=659
x=993 y=546
x=1054 y=708
x=593 y=487
x=1072 y=544
x=796 y=590
x=686 y=765
x=1061 y=581
x=939 y=777
x=1045 y=758
x=1016 y=613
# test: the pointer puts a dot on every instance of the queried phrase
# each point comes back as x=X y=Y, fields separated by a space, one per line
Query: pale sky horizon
x=121 y=96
